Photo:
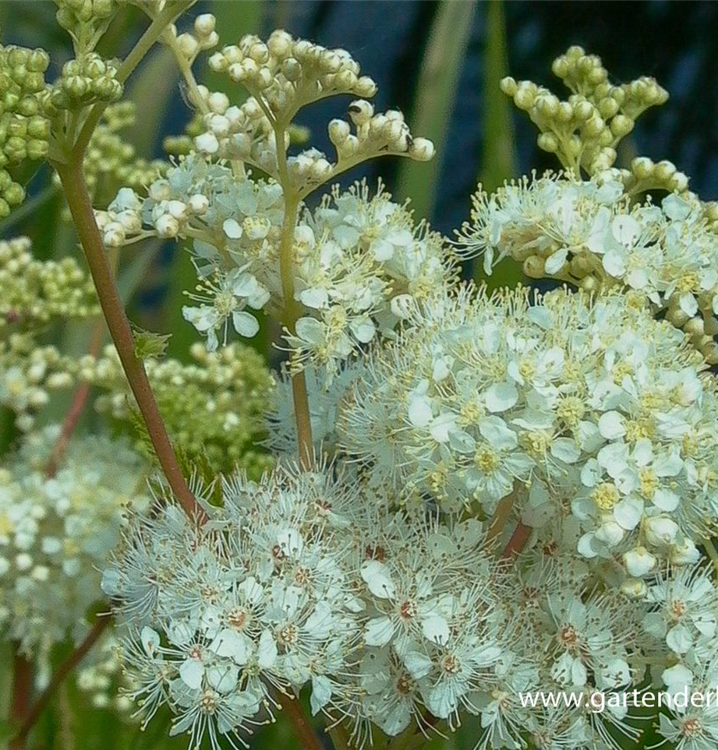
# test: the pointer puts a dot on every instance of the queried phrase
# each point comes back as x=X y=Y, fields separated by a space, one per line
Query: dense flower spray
x=466 y=496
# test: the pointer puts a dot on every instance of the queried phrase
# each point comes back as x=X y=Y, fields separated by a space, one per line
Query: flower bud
x=660 y=530
x=639 y=562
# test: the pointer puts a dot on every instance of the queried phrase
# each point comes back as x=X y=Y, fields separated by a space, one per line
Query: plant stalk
x=21 y=694
x=35 y=711
x=291 y=314
x=73 y=183
x=152 y=33
x=302 y=728
x=518 y=540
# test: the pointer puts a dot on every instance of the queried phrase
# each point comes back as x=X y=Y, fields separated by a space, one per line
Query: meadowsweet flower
x=359 y=258
x=482 y=397
x=55 y=533
x=587 y=233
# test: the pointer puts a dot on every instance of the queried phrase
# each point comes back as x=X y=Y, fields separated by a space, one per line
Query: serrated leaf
x=149 y=344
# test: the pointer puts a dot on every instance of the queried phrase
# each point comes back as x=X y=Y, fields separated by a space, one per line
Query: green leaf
x=149 y=344
x=8 y=729
x=435 y=97
x=499 y=160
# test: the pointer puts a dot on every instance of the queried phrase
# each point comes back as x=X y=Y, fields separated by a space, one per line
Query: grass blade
x=436 y=92
x=498 y=162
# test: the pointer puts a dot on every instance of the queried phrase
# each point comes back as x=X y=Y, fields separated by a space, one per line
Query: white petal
x=625 y=229
x=232 y=229
x=321 y=693
x=628 y=512
x=245 y=324
x=566 y=450
x=150 y=641
x=267 y=651
x=223 y=678
x=379 y=631
x=611 y=425
x=378 y=579
x=417 y=664
x=191 y=673
x=435 y=629
x=230 y=643
x=501 y=396
x=420 y=413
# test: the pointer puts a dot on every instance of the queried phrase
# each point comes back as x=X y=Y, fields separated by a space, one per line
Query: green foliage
x=149 y=344
x=435 y=99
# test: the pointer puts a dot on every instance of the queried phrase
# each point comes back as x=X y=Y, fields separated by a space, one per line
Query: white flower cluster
x=56 y=532
x=588 y=233
x=358 y=259
x=301 y=580
x=392 y=619
x=682 y=621
x=28 y=375
x=521 y=485
x=585 y=407
x=283 y=75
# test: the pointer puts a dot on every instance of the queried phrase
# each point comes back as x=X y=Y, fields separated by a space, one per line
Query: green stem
x=292 y=311
x=152 y=34
x=73 y=182
x=195 y=97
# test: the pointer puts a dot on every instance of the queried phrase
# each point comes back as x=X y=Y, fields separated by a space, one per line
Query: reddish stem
x=75 y=188
x=77 y=406
x=21 y=694
x=302 y=728
x=33 y=714
x=518 y=540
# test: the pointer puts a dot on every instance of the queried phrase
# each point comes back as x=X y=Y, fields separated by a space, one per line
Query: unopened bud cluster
x=24 y=130
x=283 y=75
x=85 y=20
x=34 y=293
x=584 y=130
x=88 y=79
x=201 y=38
x=212 y=407
x=607 y=231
